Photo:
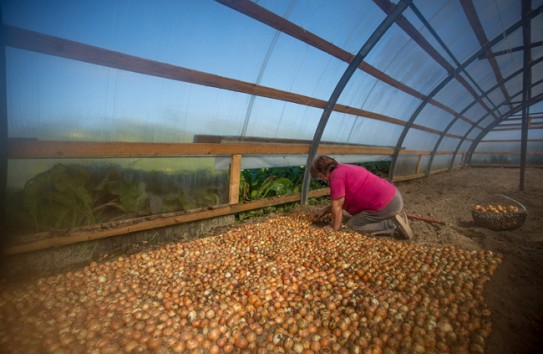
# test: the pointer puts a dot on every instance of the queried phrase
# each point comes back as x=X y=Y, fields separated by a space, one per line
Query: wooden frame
x=82 y=234
x=50 y=45
x=34 y=149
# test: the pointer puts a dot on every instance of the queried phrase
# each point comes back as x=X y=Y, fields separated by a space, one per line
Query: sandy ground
x=515 y=292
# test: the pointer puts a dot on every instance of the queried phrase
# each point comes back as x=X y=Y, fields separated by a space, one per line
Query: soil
x=515 y=292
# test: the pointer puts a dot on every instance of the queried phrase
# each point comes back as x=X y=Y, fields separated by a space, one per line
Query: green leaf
x=132 y=195
x=281 y=186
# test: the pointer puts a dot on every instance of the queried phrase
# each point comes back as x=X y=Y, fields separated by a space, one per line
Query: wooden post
x=419 y=163
x=235 y=170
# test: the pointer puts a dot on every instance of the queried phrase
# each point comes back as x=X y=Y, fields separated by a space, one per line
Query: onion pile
x=276 y=286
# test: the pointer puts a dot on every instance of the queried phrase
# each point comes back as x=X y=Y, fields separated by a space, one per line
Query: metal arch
x=481 y=119
x=477 y=99
x=535 y=62
x=357 y=60
x=446 y=81
x=430 y=29
x=261 y=71
x=442 y=136
x=492 y=125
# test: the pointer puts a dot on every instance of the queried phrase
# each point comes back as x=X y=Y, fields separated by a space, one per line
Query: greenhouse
x=164 y=191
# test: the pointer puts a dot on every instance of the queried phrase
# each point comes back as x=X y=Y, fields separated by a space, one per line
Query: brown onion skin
x=278 y=285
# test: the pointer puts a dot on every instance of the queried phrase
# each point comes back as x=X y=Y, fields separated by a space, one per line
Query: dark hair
x=322 y=164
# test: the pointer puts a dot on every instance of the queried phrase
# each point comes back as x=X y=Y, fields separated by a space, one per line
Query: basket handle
x=519 y=203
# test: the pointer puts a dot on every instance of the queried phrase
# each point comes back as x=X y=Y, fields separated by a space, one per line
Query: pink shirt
x=362 y=189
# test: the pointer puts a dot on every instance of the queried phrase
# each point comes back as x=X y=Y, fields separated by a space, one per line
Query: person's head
x=322 y=166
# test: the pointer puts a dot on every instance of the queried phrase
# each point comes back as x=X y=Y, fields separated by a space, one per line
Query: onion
x=275 y=286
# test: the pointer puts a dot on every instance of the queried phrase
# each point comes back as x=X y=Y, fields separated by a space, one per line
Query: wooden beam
x=405 y=24
x=70 y=149
x=83 y=234
x=506 y=153
x=497 y=129
x=419 y=163
x=19 y=149
x=406 y=178
x=35 y=149
x=281 y=24
x=439 y=170
x=235 y=171
x=509 y=141
x=502 y=165
x=425 y=152
x=41 y=43
x=478 y=30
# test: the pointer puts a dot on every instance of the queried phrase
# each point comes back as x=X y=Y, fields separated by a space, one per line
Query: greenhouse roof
x=449 y=76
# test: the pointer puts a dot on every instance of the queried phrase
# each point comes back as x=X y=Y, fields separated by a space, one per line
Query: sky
x=59 y=99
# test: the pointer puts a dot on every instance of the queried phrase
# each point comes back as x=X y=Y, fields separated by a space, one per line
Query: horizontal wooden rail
x=279 y=23
x=32 y=149
x=50 y=45
x=506 y=153
x=82 y=234
x=419 y=175
x=498 y=129
x=513 y=165
x=36 y=149
x=509 y=141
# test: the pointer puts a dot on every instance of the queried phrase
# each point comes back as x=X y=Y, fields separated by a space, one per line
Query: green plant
x=54 y=199
x=267 y=182
x=68 y=196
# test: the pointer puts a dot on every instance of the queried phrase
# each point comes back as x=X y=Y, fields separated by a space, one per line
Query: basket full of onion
x=500 y=214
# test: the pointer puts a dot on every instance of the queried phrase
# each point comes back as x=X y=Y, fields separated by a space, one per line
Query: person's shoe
x=403 y=225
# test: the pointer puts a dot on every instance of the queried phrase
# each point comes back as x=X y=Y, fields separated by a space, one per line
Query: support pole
x=355 y=63
x=526 y=91
x=235 y=170
x=3 y=134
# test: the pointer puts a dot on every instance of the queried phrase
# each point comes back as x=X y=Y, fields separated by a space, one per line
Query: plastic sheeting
x=51 y=98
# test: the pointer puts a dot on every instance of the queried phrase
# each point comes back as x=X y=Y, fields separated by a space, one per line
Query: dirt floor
x=515 y=292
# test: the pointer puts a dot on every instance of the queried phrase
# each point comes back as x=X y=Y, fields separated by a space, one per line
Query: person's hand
x=317 y=215
x=329 y=228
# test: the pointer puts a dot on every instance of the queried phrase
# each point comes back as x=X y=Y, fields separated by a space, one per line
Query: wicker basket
x=500 y=221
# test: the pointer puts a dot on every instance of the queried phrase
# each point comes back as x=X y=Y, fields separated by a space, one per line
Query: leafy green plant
x=275 y=181
x=58 y=198
x=267 y=182
x=68 y=196
x=379 y=168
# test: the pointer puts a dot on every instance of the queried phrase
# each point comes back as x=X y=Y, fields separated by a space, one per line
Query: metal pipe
x=526 y=92
x=3 y=132
x=355 y=63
